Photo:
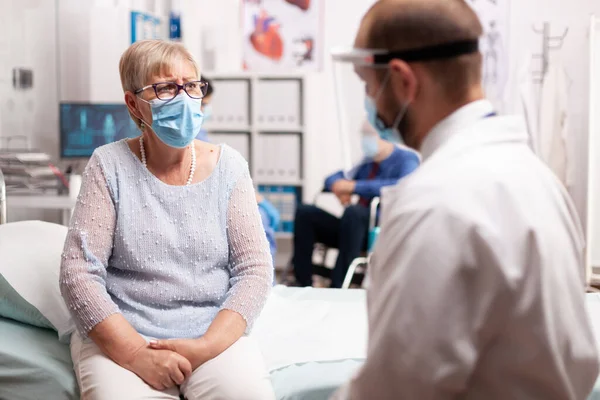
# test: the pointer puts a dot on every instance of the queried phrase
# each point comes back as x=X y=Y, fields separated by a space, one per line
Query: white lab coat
x=554 y=127
x=522 y=100
x=477 y=279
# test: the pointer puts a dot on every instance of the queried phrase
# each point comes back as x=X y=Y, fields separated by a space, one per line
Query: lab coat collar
x=456 y=122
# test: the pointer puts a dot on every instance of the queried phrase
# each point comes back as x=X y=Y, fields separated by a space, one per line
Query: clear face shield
x=357 y=136
x=358 y=86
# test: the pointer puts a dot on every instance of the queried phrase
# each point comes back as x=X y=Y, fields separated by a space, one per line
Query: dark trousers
x=348 y=234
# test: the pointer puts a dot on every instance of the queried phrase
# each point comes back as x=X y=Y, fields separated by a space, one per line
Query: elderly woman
x=166 y=265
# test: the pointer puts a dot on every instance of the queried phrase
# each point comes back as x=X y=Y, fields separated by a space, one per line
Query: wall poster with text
x=282 y=35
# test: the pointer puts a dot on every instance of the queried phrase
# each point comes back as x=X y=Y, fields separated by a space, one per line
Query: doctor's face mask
x=389 y=132
x=388 y=113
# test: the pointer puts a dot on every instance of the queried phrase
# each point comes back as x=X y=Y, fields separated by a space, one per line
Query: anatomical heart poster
x=282 y=35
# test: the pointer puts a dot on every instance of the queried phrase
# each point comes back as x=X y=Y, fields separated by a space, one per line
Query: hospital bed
x=312 y=340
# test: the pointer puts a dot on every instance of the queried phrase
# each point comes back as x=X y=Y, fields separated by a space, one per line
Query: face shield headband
x=380 y=58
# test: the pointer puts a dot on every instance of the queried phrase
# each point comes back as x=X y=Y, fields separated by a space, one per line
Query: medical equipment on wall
x=593 y=198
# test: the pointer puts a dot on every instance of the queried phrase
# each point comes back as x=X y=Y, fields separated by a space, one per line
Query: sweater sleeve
x=249 y=257
x=331 y=179
x=87 y=250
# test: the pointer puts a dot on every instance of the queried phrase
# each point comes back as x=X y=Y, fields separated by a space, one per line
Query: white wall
x=222 y=19
x=27 y=39
x=92 y=37
x=575 y=15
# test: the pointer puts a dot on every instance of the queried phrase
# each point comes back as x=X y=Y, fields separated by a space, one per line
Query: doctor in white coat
x=477 y=279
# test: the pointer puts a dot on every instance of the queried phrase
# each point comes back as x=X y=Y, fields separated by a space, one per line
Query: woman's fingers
x=185 y=367
x=167 y=382
x=162 y=345
x=177 y=375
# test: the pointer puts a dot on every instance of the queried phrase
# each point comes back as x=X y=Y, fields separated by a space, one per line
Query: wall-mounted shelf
x=262 y=116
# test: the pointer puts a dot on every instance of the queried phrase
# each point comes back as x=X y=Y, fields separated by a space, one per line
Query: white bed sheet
x=303 y=334
x=328 y=329
x=312 y=325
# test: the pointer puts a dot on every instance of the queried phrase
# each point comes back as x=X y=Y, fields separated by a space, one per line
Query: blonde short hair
x=147 y=58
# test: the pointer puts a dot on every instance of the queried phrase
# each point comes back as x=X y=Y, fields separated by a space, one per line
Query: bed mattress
x=302 y=362
x=313 y=341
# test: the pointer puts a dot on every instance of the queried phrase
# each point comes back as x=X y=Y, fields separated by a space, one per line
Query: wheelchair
x=357 y=268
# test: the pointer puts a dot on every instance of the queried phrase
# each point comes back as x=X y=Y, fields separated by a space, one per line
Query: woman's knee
x=238 y=373
x=233 y=390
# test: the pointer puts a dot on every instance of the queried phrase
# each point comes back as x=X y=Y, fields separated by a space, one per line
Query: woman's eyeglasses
x=169 y=90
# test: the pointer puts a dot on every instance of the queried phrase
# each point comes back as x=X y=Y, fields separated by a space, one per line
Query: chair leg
x=351 y=270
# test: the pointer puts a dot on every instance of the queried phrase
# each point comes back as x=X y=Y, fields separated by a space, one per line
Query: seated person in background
x=268 y=213
x=384 y=165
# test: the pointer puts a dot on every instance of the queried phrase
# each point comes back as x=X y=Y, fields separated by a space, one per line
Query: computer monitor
x=84 y=127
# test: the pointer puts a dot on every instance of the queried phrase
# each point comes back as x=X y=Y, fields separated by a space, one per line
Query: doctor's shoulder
x=421 y=197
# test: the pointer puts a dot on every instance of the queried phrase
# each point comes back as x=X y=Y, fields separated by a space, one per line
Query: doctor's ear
x=403 y=79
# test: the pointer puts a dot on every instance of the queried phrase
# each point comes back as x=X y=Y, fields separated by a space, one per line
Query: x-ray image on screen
x=84 y=127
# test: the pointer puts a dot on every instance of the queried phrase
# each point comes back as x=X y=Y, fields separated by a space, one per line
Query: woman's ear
x=132 y=105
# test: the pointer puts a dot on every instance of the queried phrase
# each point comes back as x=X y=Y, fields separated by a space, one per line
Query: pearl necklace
x=192 y=168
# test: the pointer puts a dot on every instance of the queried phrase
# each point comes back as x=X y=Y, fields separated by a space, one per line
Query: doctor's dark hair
x=398 y=25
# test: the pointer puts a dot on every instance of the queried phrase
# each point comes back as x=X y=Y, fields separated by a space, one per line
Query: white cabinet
x=230 y=104
x=279 y=104
x=261 y=116
x=280 y=160
x=236 y=140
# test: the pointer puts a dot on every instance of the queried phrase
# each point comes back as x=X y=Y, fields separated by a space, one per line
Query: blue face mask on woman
x=176 y=122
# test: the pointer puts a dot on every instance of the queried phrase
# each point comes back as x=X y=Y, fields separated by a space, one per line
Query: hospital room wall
x=92 y=37
x=29 y=32
x=61 y=43
x=574 y=54
x=223 y=29
x=28 y=40
x=322 y=139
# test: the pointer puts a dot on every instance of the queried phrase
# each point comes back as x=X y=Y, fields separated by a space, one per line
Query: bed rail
x=2 y=199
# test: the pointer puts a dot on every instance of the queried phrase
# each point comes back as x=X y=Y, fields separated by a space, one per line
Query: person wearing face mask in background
x=384 y=165
x=476 y=283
